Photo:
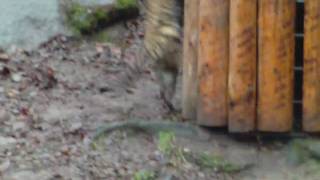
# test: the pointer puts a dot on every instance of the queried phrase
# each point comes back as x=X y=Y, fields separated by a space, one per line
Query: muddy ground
x=53 y=99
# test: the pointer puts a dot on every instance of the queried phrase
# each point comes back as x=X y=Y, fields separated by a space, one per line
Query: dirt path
x=53 y=99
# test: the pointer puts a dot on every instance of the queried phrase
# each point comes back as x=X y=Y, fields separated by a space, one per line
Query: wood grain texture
x=190 y=56
x=276 y=62
x=213 y=62
x=311 y=80
x=242 y=65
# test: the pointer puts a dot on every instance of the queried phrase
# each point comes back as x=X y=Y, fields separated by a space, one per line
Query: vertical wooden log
x=276 y=62
x=242 y=66
x=190 y=53
x=311 y=81
x=213 y=62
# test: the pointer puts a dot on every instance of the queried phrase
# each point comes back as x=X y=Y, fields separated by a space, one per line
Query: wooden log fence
x=276 y=59
x=213 y=62
x=242 y=65
x=239 y=64
x=311 y=62
x=190 y=53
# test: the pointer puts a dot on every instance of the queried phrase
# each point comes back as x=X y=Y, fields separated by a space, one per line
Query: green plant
x=144 y=175
x=124 y=4
x=165 y=144
x=207 y=161
x=79 y=18
x=82 y=19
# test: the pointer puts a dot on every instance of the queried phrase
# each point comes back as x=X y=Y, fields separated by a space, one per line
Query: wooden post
x=276 y=60
x=242 y=66
x=190 y=53
x=213 y=62
x=311 y=81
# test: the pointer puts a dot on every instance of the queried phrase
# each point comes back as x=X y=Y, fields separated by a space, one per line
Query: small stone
x=22 y=166
x=8 y=153
x=5 y=165
x=153 y=163
x=4 y=115
x=4 y=57
x=22 y=175
x=125 y=154
x=75 y=126
x=188 y=166
x=99 y=49
x=86 y=60
x=16 y=77
x=57 y=154
x=158 y=156
x=12 y=93
x=5 y=141
x=18 y=126
x=64 y=39
x=186 y=150
x=65 y=150
x=33 y=94
x=116 y=52
x=109 y=171
x=121 y=171
x=201 y=175
x=15 y=111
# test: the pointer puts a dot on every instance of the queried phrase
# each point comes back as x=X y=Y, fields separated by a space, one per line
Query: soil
x=54 y=98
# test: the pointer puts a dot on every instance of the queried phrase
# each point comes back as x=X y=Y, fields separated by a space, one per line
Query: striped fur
x=163 y=31
x=163 y=42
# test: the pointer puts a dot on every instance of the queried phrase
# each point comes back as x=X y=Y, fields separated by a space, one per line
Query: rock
x=4 y=116
x=5 y=165
x=43 y=175
x=75 y=126
x=12 y=93
x=22 y=175
x=29 y=23
x=26 y=24
x=16 y=77
x=87 y=17
x=6 y=141
x=19 y=126
x=33 y=94
x=116 y=52
x=201 y=175
x=4 y=57
x=96 y=2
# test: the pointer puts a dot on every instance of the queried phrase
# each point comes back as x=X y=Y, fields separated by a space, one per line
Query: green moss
x=79 y=18
x=124 y=4
x=100 y=14
x=83 y=20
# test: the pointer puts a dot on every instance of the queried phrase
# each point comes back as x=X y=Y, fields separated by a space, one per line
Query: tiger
x=163 y=43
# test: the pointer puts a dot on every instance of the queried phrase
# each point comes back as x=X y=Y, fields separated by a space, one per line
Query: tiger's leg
x=167 y=78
